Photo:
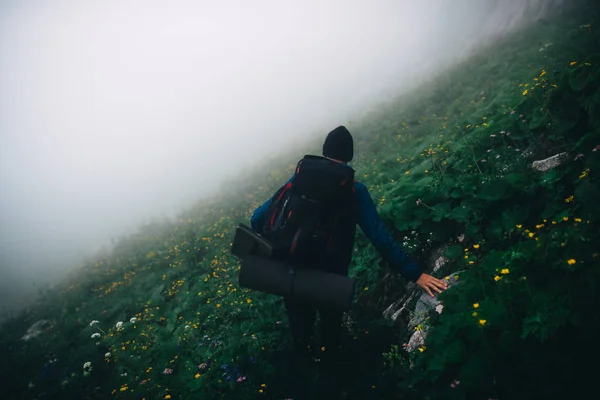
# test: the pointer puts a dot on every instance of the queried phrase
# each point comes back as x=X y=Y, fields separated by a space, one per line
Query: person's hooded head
x=339 y=145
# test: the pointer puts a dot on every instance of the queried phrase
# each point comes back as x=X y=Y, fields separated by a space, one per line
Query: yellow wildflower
x=504 y=271
x=407 y=172
x=571 y=261
x=497 y=278
x=475 y=246
x=573 y=63
x=248 y=301
x=482 y=322
x=525 y=92
x=519 y=226
x=531 y=234
x=476 y=305
x=475 y=314
x=577 y=219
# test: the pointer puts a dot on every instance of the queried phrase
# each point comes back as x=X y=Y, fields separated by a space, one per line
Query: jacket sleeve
x=257 y=221
x=370 y=223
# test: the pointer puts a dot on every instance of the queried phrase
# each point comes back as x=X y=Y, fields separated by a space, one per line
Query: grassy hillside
x=452 y=158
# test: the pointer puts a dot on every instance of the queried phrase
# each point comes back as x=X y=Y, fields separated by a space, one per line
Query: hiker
x=326 y=241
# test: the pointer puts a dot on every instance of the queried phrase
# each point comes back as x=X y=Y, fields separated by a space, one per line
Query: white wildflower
x=107 y=355
x=94 y=322
x=133 y=320
x=87 y=365
x=119 y=325
x=96 y=335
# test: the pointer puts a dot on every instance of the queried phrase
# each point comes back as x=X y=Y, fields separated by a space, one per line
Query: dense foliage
x=163 y=317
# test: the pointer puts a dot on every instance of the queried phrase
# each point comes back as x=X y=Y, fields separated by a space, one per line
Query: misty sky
x=118 y=110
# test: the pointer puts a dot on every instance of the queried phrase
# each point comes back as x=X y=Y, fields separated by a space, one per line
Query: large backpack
x=305 y=216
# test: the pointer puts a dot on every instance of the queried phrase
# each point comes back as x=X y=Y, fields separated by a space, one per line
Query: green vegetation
x=453 y=158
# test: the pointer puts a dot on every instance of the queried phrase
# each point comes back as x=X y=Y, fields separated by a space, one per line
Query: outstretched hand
x=429 y=283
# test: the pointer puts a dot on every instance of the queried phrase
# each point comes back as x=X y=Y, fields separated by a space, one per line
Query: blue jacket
x=372 y=226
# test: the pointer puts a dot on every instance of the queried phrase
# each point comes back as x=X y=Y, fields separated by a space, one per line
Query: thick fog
x=116 y=111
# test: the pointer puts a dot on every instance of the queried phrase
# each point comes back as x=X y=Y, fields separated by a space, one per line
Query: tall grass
x=451 y=158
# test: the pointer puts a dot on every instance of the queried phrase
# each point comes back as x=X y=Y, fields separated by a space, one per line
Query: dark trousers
x=302 y=318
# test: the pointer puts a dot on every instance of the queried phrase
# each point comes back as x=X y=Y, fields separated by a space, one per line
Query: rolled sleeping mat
x=265 y=275
x=324 y=289
x=316 y=287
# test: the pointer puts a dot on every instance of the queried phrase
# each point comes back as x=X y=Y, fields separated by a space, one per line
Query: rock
x=425 y=304
x=439 y=258
x=400 y=306
x=157 y=296
x=399 y=311
x=36 y=329
x=416 y=340
x=549 y=163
